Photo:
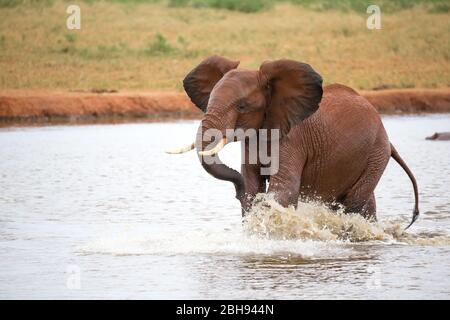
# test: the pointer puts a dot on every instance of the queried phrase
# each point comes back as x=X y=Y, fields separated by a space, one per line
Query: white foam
x=225 y=243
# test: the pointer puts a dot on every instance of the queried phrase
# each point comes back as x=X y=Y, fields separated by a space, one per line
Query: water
x=101 y=212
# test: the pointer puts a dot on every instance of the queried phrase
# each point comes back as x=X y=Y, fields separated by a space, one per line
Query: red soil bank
x=409 y=100
x=40 y=106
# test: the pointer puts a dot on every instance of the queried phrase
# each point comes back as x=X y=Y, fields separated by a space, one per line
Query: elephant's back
x=339 y=98
x=344 y=109
x=337 y=87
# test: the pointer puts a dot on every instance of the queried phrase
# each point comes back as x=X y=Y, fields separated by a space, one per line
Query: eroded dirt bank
x=410 y=100
x=42 y=106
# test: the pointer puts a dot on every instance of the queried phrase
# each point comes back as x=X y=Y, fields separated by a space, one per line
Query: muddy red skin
x=333 y=144
x=337 y=154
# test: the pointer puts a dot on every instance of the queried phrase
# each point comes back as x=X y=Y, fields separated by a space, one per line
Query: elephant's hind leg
x=361 y=201
x=364 y=206
x=370 y=209
x=360 y=198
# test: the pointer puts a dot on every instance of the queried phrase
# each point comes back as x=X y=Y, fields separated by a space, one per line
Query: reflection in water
x=142 y=224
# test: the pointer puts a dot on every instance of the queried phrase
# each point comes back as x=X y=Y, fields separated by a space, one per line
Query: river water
x=100 y=211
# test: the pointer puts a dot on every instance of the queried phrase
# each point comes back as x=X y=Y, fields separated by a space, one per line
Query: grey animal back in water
x=443 y=136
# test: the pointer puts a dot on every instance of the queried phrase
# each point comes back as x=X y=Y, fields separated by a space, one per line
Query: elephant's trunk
x=212 y=163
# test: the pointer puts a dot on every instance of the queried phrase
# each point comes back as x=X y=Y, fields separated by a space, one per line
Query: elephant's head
x=279 y=95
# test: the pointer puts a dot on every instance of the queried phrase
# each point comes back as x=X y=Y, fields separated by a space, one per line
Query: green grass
x=248 y=6
x=134 y=45
x=233 y=5
x=15 y=3
x=70 y=37
x=387 y=6
x=159 y=46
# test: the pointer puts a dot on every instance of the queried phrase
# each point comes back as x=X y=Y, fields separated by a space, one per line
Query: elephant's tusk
x=181 y=150
x=214 y=150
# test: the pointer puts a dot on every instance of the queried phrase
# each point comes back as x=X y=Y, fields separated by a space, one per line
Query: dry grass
x=152 y=46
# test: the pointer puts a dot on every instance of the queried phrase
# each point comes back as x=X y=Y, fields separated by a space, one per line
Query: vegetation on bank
x=258 y=5
x=151 y=44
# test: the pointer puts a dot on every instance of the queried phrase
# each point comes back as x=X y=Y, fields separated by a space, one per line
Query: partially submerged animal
x=443 y=136
x=332 y=142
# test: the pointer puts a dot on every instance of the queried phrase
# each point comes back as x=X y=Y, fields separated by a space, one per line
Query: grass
x=233 y=5
x=258 y=5
x=159 y=46
x=15 y=3
x=133 y=44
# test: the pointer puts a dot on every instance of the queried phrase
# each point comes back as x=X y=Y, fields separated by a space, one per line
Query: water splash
x=315 y=221
x=212 y=243
x=311 y=231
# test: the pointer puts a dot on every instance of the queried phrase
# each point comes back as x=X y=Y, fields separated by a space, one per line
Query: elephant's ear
x=199 y=83
x=295 y=91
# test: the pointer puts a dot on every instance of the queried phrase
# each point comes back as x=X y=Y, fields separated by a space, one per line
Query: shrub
x=234 y=5
x=159 y=45
x=14 y=3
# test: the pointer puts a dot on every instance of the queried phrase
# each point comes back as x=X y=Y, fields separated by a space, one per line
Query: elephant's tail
x=399 y=160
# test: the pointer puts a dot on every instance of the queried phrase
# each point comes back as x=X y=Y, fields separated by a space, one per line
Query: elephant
x=440 y=136
x=332 y=142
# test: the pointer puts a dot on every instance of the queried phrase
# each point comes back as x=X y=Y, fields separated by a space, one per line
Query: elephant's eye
x=241 y=106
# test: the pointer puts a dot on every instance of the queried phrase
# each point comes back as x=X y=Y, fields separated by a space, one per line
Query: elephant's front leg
x=285 y=184
x=285 y=188
x=254 y=183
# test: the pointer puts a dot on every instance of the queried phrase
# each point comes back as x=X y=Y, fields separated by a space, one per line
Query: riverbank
x=30 y=107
